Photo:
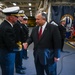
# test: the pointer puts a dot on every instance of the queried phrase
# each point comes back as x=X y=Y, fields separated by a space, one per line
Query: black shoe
x=23 y=68
x=20 y=71
x=25 y=57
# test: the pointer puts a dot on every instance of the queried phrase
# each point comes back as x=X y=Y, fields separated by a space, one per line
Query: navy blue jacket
x=7 y=37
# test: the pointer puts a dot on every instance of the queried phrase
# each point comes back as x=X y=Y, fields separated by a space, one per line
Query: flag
x=56 y=13
x=66 y=13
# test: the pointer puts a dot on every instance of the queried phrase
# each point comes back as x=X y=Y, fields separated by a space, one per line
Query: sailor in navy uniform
x=25 y=35
x=8 y=45
x=18 y=31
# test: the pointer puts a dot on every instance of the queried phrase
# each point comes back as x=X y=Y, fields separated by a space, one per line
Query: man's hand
x=25 y=45
x=56 y=59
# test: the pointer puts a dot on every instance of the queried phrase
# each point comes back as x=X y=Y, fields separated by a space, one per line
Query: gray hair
x=44 y=15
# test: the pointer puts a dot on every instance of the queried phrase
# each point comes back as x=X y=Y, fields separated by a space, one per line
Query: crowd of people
x=48 y=41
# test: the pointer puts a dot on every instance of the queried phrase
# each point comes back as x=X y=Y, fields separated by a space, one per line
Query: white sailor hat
x=21 y=13
x=25 y=17
x=11 y=11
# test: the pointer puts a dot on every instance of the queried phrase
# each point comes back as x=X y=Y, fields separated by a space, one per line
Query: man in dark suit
x=47 y=47
x=8 y=45
x=62 y=30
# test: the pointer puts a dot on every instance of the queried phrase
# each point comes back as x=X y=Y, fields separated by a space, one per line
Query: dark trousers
x=24 y=53
x=18 y=60
x=7 y=61
x=50 y=69
x=62 y=44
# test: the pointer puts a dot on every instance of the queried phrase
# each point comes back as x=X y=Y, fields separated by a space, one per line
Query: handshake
x=20 y=45
x=25 y=45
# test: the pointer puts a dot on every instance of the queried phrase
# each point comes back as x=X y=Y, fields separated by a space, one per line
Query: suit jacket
x=7 y=37
x=48 y=46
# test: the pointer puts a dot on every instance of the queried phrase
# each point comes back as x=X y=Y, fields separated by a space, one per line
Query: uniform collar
x=10 y=23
